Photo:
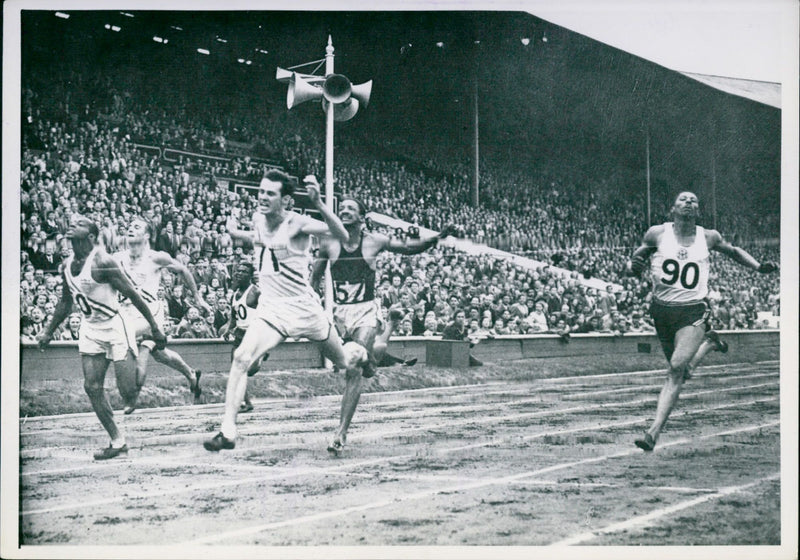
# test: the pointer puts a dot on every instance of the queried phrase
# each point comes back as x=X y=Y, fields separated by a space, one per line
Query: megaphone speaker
x=362 y=92
x=342 y=111
x=301 y=91
x=337 y=88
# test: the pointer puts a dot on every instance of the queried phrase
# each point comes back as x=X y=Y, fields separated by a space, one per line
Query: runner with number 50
x=244 y=302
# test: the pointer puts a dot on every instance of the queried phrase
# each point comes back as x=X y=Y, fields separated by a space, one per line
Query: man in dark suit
x=167 y=241
x=47 y=260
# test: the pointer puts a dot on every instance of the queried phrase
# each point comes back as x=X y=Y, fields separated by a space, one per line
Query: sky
x=735 y=38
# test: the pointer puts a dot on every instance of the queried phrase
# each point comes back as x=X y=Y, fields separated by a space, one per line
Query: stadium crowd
x=84 y=154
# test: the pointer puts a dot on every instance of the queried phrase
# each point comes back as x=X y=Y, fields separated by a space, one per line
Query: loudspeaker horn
x=337 y=88
x=362 y=92
x=283 y=75
x=342 y=111
x=301 y=91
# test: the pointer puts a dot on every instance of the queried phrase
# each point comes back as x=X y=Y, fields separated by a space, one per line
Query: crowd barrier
x=61 y=359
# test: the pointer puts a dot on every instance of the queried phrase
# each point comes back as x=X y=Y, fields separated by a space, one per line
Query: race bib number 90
x=688 y=275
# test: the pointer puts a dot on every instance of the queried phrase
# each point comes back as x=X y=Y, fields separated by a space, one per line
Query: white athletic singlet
x=144 y=274
x=680 y=274
x=241 y=309
x=98 y=302
x=283 y=271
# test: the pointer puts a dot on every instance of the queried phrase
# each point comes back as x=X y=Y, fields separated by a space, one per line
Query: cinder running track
x=550 y=461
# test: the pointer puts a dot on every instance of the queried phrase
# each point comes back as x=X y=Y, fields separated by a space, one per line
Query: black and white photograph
x=418 y=280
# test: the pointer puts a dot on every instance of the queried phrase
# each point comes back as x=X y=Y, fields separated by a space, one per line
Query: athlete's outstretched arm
x=332 y=225
x=638 y=262
x=717 y=243
x=416 y=246
x=233 y=229
x=109 y=272
x=61 y=312
x=320 y=263
x=166 y=261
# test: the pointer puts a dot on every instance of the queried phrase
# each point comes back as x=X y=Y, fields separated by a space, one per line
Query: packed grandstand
x=110 y=148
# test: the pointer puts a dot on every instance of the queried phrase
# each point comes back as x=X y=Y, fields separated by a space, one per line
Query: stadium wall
x=61 y=359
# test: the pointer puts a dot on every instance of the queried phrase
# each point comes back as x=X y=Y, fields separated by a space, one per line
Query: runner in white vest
x=94 y=282
x=288 y=307
x=144 y=267
x=244 y=303
x=679 y=268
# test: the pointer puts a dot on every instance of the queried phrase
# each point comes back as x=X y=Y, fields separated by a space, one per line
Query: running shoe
x=129 y=409
x=719 y=345
x=195 y=388
x=219 y=442
x=410 y=362
x=646 y=442
x=245 y=407
x=336 y=446
x=110 y=452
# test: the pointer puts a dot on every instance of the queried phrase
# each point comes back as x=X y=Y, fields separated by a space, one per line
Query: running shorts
x=348 y=317
x=114 y=338
x=299 y=317
x=669 y=319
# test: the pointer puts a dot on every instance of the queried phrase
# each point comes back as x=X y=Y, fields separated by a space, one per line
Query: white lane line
x=252 y=530
x=347 y=467
x=167 y=409
x=499 y=441
x=444 y=389
x=559 y=483
x=288 y=427
x=744 y=366
x=483 y=420
x=367 y=406
x=578 y=396
x=648 y=518
x=620 y=424
x=196 y=438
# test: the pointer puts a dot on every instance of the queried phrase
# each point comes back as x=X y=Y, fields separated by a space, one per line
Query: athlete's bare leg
x=332 y=348
x=381 y=343
x=94 y=375
x=687 y=342
x=258 y=339
x=247 y=404
x=141 y=364
x=172 y=359
x=127 y=383
x=705 y=347
x=365 y=336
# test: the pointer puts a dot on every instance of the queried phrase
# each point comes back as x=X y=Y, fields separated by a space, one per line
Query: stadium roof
x=732 y=45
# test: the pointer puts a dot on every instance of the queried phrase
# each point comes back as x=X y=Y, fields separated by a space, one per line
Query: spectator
x=72 y=331
x=457 y=330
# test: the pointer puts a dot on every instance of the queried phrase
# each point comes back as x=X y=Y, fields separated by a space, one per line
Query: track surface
x=545 y=462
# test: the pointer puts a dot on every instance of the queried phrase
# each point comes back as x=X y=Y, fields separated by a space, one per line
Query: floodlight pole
x=329 y=173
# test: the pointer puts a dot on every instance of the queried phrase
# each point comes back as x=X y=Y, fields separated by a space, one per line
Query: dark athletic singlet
x=353 y=279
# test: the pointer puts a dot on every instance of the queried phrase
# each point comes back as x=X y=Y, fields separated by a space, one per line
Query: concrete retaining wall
x=61 y=359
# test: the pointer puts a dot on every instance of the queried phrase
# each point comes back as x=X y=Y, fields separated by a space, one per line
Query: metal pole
x=476 y=145
x=648 y=179
x=329 y=172
x=714 y=189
